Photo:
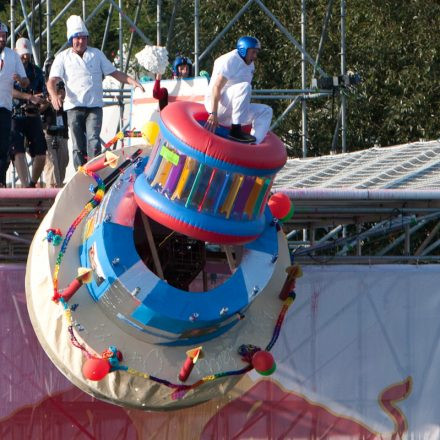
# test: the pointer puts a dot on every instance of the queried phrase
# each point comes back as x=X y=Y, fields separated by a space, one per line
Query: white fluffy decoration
x=153 y=59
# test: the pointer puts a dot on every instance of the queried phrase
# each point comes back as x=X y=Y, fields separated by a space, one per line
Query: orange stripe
x=197 y=98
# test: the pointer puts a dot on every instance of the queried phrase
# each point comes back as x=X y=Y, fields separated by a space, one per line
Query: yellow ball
x=150 y=131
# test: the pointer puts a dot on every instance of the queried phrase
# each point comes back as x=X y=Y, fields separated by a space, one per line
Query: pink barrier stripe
x=28 y=193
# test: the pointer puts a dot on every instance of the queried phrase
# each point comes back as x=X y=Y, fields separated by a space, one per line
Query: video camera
x=334 y=82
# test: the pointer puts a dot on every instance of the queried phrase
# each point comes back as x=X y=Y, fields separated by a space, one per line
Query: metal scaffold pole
x=158 y=16
x=48 y=33
x=30 y=33
x=12 y=24
x=343 y=73
x=304 y=126
x=107 y=26
x=130 y=43
x=121 y=67
x=196 y=36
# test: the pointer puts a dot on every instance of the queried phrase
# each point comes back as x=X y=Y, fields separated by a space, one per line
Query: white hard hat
x=76 y=27
x=3 y=27
x=23 y=46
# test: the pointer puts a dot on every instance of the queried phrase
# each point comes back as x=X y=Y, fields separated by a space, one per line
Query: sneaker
x=239 y=136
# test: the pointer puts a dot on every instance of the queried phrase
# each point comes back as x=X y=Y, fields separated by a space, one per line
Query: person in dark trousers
x=57 y=157
x=27 y=128
x=11 y=70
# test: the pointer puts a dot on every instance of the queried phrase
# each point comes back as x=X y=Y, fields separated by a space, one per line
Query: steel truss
x=333 y=230
x=364 y=226
x=295 y=96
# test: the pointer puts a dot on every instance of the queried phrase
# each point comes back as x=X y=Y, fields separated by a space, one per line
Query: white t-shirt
x=231 y=66
x=82 y=76
x=10 y=63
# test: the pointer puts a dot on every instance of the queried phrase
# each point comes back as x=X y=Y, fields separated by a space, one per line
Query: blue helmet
x=245 y=43
x=179 y=61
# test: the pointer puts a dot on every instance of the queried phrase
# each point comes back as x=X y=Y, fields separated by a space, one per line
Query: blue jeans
x=5 y=137
x=84 y=128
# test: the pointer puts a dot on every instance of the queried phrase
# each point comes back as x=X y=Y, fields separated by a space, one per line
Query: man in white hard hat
x=27 y=128
x=82 y=69
x=228 y=99
x=11 y=69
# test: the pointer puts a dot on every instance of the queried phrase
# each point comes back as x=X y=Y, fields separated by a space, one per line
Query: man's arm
x=212 y=121
x=34 y=99
x=126 y=79
x=52 y=89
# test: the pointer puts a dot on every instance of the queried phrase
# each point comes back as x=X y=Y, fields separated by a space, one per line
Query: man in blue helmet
x=82 y=69
x=229 y=94
x=182 y=68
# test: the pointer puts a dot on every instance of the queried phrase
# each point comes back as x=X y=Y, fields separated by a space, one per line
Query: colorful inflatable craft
x=136 y=266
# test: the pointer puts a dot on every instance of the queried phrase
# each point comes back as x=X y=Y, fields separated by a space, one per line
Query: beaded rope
x=179 y=389
x=95 y=201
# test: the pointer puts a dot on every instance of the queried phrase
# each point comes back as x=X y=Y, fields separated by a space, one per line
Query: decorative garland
x=93 y=203
x=96 y=368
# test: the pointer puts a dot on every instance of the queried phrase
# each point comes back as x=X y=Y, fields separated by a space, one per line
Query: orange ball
x=96 y=368
x=279 y=205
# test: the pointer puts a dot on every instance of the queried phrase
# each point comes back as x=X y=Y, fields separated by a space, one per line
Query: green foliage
x=393 y=45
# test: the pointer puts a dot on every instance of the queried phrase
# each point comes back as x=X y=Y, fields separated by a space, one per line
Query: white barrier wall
x=358 y=357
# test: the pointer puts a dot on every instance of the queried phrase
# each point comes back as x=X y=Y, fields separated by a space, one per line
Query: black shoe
x=239 y=136
x=32 y=184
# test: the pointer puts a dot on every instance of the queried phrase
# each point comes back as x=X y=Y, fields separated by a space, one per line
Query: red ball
x=95 y=368
x=263 y=362
x=279 y=205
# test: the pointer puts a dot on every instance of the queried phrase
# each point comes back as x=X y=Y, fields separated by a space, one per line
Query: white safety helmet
x=76 y=28
x=3 y=28
x=23 y=46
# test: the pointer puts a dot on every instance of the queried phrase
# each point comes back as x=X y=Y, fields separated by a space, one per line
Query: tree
x=393 y=45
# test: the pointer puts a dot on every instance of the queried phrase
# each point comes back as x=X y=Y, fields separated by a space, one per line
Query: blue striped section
x=194 y=218
x=112 y=241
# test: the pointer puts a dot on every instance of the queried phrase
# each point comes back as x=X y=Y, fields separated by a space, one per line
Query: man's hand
x=135 y=83
x=56 y=101
x=212 y=122
x=36 y=99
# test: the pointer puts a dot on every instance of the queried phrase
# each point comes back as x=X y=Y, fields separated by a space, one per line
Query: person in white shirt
x=82 y=69
x=11 y=69
x=228 y=99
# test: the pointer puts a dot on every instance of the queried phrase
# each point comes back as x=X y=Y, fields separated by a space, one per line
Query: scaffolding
x=309 y=86
x=328 y=227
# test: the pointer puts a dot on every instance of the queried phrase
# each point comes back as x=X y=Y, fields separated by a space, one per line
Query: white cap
x=3 y=27
x=76 y=27
x=23 y=46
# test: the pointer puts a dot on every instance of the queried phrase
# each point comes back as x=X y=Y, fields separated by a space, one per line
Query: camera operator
x=55 y=127
x=26 y=120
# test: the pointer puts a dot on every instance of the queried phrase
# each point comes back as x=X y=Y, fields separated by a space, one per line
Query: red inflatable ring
x=185 y=121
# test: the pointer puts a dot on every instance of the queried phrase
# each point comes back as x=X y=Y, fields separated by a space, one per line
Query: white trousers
x=235 y=107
